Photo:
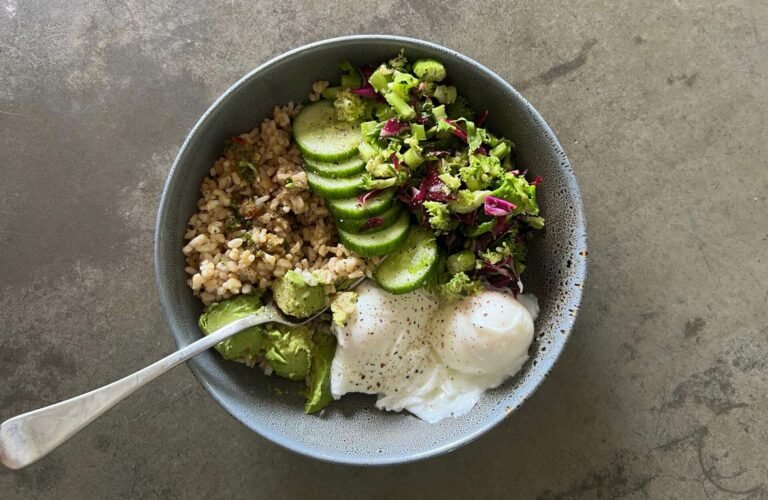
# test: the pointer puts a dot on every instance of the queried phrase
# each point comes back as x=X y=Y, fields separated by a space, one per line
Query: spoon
x=29 y=437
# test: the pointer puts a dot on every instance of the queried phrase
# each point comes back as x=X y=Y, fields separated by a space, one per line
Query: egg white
x=434 y=360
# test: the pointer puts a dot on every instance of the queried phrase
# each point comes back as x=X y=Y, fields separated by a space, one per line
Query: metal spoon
x=29 y=437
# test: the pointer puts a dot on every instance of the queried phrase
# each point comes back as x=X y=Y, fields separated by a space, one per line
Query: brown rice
x=257 y=219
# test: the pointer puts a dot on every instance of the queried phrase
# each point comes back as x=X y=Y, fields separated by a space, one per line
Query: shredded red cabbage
x=395 y=161
x=364 y=197
x=469 y=218
x=502 y=224
x=481 y=150
x=393 y=127
x=536 y=181
x=481 y=119
x=457 y=131
x=501 y=275
x=366 y=91
x=498 y=207
x=372 y=222
x=430 y=189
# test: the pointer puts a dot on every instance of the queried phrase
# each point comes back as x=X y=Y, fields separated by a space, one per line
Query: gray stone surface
x=662 y=108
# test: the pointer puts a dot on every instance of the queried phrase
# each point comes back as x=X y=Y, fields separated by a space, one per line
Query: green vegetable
x=321 y=136
x=452 y=182
x=402 y=83
x=418 y=132
x=429 y=70
x=411 y=265
x=535 y=222
x=439 y=217
x=445 y=94
x=294 y=297
x=461 y=262
x=468 y=201
x=402 y=108
x=481 y=172
x=517 y=190
x=289 y=351
x=350 y=77
x=349 y=107
x=483 y=227
x=319 y=392
x=413 y=158
x=459 y=287
x=501 y=150
x=244 y=346
x=330 y=93
x=460 y=109
x=380 y=78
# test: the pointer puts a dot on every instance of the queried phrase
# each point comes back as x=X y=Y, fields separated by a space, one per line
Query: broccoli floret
x=445 y=94
x=518 y=191
x=399 y=61
x=349 y=107
x=481 y=172
x=460 y=109
x=429 y=70
x=468 y=201
x=507 y=248
x=439 y=216
x=451 y=181
x=459 y=287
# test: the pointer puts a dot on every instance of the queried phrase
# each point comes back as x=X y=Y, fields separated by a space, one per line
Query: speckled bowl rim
x=579 y=271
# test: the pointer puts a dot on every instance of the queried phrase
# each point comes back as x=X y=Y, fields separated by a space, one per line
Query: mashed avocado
x=289 y=351
x=245 y=346
x=342 y=307
x=319 y=394
x=293 y=296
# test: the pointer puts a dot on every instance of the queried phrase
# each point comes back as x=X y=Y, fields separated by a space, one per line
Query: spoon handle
x=28 y=437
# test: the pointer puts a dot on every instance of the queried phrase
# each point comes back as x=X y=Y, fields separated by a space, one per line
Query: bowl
x=352 y=430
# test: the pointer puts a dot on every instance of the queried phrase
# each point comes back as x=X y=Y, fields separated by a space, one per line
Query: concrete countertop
x=662 y=109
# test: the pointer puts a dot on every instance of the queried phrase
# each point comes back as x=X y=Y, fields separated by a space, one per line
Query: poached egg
x=433 y=359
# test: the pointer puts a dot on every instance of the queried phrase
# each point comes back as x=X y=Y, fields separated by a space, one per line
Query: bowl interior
x=352 y=430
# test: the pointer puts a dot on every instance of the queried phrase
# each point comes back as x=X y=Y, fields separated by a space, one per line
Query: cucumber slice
x=321 y=136
x=353 y=225
x=351 y=207
x=334 y=189
x=410 y=266
x=344 y=168
x=379 y=242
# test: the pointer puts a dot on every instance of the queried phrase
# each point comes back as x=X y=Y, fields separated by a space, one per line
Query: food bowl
x=352 y=430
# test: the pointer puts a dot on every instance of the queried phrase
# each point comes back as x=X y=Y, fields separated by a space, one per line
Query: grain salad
x=257 y=219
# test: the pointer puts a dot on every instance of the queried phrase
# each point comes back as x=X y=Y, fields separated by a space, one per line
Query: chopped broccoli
x=460 y=109
x=439 y=216
x=509 y=247
x=459 y=287
x=429 y=70
x=349 y=107
x=399 y=61
x=402 y=83
x=481 y=172
x=451 y=181
x=350 y=77
x=517 y=190
x=459 y=262
x=468 y=201
x=445 y=94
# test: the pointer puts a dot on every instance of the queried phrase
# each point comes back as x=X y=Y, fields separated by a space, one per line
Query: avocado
x=289 y=351
x=319 y=391
x=244 y=346
x=294 y=297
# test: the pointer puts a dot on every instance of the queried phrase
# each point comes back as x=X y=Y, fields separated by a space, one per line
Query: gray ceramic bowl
x=352 y=431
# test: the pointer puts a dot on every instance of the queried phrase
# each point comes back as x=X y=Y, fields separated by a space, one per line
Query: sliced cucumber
x=353 y=225
x=334 y=189
x=410 y=266
x=321 y=136
x=379 y=242
x=351 y=207
x=344 y=168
